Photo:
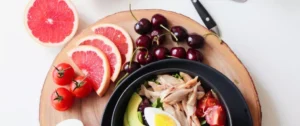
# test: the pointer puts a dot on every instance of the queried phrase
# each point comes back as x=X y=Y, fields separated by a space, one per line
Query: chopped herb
x=157 y=103
x=140 y=116
x=154 y=80
x=146 y=84
x=177 y=76
x=203 y=122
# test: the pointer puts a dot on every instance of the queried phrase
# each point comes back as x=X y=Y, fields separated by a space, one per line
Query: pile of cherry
x=153 y=35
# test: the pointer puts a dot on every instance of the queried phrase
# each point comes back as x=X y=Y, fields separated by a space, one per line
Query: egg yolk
x=163 y=120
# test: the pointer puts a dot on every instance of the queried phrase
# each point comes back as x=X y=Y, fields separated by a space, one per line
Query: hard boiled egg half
x=70 y=122
x=158 y=117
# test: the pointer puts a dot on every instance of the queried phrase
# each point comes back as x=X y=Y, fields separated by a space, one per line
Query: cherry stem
x=156 y=38
x=138 y=48
x=213 y=34
x=133 y=56
x=172 y=57
x=132 y=13
x=121 y=79
x=176 y=39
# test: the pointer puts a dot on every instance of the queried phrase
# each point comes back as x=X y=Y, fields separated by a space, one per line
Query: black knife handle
x=206 y=18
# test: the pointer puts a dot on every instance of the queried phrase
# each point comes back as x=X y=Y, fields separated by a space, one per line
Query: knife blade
x=240 y=1
x=205 y=16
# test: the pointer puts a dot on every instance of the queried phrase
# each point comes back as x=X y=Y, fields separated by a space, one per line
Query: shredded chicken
x=169 y=109
x=193 y=96
x=190 y=83
x=152 y=95
x=179 y=96
x=169 y=80
x=185 y=76
x=180 y=116
x=157 y=87
x=195 y=120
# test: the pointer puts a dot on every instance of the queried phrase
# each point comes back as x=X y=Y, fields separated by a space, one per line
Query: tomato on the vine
x=63 y=74
x=81 y=87
x=62 y=99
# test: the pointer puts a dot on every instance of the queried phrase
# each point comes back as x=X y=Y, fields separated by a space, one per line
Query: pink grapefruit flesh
x=94 y=64
x=51 y=22
x=108 y=48
x=118 y=36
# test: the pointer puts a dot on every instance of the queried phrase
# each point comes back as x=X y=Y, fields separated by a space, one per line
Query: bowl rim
x=201 y=78
x=170 y=63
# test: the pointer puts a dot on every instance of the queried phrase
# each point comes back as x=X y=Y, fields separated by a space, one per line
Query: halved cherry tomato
x=207 y=101
x=62 y=99
x=215 y=116
x=63 y=74
x=81 y=87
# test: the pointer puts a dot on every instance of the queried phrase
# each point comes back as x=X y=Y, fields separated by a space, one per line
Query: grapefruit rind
x=106 y=76
x=118 y=65
x=125 y=33
x=49 y=44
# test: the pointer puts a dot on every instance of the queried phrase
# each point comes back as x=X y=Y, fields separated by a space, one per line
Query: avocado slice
x=131 y=115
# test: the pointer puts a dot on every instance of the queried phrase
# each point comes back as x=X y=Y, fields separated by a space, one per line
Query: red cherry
x=131 y=67
x=144 y=41
x=193 y=54
x=158 y=20
x=144 y=58
x=161 y=53
x=180 y=33
x=143 y=26
x=158 y=36
x=195 y=41
x=178 y=52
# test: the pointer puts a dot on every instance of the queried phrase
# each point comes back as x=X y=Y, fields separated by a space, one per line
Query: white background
x=263 y=33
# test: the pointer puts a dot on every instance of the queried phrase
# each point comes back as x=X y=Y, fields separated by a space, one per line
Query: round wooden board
x=89 y=110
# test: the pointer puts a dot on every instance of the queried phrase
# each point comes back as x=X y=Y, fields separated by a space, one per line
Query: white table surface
x=264 y=34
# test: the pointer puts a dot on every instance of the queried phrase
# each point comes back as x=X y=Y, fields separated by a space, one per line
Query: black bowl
x=234 y=103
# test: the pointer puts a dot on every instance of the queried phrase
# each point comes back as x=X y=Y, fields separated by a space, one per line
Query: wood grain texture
x=217 y=55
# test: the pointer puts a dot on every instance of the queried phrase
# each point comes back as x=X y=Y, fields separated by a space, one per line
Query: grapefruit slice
x=51 y=22
x=94 y=64
x=108 y=48
x=118 y=36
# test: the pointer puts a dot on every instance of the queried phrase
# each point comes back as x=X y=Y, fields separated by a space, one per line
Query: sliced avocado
x=140 y=116
x=132 y=111
x=125 y=121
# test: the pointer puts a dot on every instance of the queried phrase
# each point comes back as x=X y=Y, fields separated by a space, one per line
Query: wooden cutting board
x=217 y=55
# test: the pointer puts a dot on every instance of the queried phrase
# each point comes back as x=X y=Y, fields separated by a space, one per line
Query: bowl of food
x=194 y=95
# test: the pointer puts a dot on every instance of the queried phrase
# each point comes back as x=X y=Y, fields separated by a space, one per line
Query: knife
x=206 y=18
x=240 y=1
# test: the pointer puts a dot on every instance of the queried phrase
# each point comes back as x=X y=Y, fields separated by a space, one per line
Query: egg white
x=70 y=122
x=150 y=113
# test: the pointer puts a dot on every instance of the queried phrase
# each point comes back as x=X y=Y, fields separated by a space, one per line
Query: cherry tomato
x=63 y=74
x=207 y=101
x=215 y=116
x=62 y=99
x=81 y=87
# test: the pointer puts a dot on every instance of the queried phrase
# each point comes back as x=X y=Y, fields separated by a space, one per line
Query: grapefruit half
x=108 y=48
x=51 y=22
x=94 y=64
x=118 y=36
